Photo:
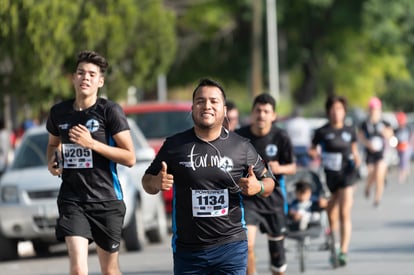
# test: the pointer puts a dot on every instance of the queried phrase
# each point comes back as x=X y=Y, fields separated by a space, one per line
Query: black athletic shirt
x=336 y=145
x=373 y=133
x=275 y=146
x=87 y=175
x=203 y=214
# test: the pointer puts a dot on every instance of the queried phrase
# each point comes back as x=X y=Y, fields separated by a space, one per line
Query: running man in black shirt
x=338 y=146
x=269 y=214
x=209 y=168
x=90 y=135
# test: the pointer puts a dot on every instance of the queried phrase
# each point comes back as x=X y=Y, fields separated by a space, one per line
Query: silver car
x=28 y=195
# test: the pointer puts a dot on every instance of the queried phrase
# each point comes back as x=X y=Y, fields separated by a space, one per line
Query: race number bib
x=76 y=157
x=377 y=143
x=332 y=161
x=210 y=203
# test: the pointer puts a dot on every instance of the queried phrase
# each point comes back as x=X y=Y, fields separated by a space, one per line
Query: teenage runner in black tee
x=339 y=152
x=268 y=214
x=373 y=135
x=209 y=169
x=90 y=135
x=87 y=175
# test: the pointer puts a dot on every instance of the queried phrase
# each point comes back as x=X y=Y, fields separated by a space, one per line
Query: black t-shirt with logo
x=373 y=133
x=336 y=145
x=87 y=175
x=275 y=146
x=207 y=204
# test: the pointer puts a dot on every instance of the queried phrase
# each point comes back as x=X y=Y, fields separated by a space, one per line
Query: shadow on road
x=401 y=248
x=404 y=223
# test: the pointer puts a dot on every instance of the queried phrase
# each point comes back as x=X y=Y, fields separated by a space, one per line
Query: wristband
x=262 y=189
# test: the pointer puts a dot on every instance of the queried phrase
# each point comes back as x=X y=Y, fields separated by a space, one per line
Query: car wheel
x=130 y=235
x=159 y=233
x=41 y=248
x=8 y=249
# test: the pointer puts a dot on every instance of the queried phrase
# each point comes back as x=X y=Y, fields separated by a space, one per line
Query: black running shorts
x=373 y=158
x=273 y=223
x=339 y=180
x=98 y=221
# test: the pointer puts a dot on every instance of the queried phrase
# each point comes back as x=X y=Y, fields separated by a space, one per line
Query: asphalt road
x=382 y=244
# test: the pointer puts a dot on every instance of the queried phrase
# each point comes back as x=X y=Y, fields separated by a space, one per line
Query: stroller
x=315 y=229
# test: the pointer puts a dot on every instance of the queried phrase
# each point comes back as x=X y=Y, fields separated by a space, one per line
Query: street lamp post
x=273 y=61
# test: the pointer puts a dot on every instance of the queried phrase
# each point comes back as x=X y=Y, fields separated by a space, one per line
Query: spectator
x=300 y=134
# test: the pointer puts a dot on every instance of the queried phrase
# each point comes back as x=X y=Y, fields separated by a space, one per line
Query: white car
x=28 y=195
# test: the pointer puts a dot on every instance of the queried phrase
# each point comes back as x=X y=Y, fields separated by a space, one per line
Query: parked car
x=28 y=194
x=159 y=120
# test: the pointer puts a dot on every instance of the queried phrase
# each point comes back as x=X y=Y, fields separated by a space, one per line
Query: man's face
x=87 y=79
x=263 y=116
x=208 y=107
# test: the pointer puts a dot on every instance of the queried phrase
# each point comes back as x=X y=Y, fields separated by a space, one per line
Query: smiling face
x=87 y=79
x=208 y=109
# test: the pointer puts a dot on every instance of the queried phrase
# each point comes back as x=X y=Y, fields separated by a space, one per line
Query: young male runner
x=269 y=214
x=90 y=136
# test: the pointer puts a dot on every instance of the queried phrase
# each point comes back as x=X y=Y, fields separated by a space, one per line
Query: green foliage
x=39 y=42
x=357 y=48
x=214 y=41
x=390 y=30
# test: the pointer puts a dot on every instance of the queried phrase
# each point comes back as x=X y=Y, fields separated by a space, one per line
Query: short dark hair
x=264 y=99
x=302 y=186
x=230 y=105
x=94 y=58
x=209 y=82
x=335 y=98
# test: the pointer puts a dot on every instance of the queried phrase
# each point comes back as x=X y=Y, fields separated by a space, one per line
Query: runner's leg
x=370 y=179
x=251 y=258
x=108 y=262
x=346 y=202
x=78 y=254
x=380 y=173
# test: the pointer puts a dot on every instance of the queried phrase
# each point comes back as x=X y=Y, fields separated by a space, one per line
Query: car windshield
x=163 y=124
x=32 y=152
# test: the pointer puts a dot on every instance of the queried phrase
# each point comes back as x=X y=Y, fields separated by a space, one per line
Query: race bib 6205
x=76 y=157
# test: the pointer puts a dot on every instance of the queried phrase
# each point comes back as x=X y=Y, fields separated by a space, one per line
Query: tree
x=333 y=46
x=390 y=29
x=356 y=48
x=214 y=40
x=39 y=41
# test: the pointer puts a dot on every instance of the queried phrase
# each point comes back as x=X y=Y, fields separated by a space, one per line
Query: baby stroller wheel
x=301 y=251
